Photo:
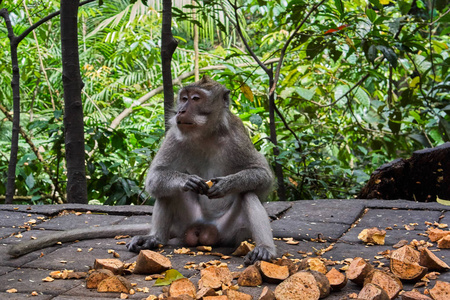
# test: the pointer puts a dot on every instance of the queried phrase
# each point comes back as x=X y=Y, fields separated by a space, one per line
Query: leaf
x=414 y=82
x=330 y=31
x=444 y=126
x=421 y=139
x=371 y=14
x=404 y=6
x=339 y=6
x=442 y=201
x=305 y=93
x=372 y=53
x=340 y=91
x=256 y=119
x=287 y=92
x=30 y=181
x=315 y=47
x=389 y=54
x=247 y=92
x=169 y=277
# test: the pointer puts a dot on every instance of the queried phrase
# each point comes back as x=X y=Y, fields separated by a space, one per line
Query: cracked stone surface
x=336 y=223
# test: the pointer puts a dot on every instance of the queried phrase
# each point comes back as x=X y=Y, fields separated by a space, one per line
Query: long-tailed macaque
x=207 y=142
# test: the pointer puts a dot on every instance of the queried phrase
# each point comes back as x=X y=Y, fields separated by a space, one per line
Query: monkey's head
x=201 y=105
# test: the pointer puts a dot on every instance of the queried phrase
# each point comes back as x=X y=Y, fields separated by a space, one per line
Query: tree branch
x=43 y=20
x=286 y=45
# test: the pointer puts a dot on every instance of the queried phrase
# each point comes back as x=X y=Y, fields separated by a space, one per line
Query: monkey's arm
x=255 y=176
x=25 y=247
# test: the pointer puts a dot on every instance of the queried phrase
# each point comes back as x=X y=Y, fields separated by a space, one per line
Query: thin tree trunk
x=15 y=83
x=168 y=46
x=196 y=59
x=73 y=112
x=281 y=189
x=13 y=42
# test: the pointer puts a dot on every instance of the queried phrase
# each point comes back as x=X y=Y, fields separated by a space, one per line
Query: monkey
x=205 y=140
x=201 y=234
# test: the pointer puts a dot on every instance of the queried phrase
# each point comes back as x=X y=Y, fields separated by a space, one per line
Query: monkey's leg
x=171 y=217
x=25 y=247
x=261 y=231
x=159 y=233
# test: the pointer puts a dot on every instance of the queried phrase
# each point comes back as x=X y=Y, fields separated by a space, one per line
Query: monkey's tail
x=25 y=247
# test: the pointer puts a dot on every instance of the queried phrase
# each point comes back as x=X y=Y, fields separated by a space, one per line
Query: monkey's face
x=193 y=109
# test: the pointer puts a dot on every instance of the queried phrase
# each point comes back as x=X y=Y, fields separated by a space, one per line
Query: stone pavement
x=336 y=221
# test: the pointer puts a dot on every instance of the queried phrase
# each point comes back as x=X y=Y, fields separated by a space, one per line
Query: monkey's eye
x=184 y=98
x=195 y=98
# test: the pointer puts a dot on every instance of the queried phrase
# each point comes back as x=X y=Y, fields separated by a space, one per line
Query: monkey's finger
x=198 y=184
x=201 y=183
x=190 y=186
x=215 y=192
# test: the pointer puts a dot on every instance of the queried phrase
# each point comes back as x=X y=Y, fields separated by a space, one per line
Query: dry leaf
x=48 y=279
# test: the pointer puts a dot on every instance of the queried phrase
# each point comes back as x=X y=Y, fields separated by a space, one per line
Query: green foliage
x=362 y=83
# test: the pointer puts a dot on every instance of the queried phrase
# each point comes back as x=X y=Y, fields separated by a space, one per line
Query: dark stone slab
x=277 y=208
x=332 y=211
x=21 y=296
x=99 y=296
x=300 y=250
x=302 y=220
x=146 y=219
x=298 y=229
x=403 y=204
x=14 y=218
x=445 y=219
x=70 y=258
x=4 y=270
x=342 y=251
x=29 y=280
x=54 y=209
x=392 y=236
x=383 y=218
x=7 y=231
x=73 y=221
x=6 y=260
x=107 y=244
x=27 y=235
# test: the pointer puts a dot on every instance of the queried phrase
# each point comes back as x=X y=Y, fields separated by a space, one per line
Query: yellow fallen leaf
x=48 y=279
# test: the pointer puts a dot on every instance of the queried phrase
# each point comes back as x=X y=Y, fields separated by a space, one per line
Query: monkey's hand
x=196 y=184
x=142 y=242
x=221 y=187
x=259 y=253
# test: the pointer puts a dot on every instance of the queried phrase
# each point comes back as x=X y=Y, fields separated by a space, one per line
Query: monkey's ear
x=205 y=79
x=226 y=98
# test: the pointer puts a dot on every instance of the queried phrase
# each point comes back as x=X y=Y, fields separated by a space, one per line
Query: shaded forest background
x=356 y=84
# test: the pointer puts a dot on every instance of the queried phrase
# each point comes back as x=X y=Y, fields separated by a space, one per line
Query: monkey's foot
x=259 y=253
x=142 y=242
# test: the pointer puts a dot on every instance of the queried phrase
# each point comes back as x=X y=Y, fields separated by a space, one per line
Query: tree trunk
x=73 y=113
x=196 y=58
x=13 y=41
x=168 y=46
x=422 y=177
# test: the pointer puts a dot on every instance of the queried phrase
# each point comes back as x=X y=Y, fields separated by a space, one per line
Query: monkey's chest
x=207 y=168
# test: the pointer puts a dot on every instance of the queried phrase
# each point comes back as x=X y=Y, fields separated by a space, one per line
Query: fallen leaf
x=48 y=279
x=169 y=277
